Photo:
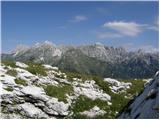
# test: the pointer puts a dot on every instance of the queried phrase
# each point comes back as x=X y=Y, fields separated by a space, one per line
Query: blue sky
x=132 y=25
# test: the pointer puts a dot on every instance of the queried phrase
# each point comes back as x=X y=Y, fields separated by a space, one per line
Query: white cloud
x=125 y=28
x=105 y=35
x=155 y=28
x=79 y=18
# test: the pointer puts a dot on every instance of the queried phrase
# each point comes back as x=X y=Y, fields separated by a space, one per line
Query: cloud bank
x=125 y=28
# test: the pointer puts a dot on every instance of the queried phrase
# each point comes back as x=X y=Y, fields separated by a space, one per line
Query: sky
x=132 y=25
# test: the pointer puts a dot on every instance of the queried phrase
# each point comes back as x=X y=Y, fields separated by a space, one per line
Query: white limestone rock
x=50 y=67
x=112 y=81
x=25 y=75
x=35 y=92
x=29 y=110
x=117 y=86
x=7 y=79
x=91 y=90
x=11 y=115
x=95 y=111
x=2 y=68
x=54 y=107
x=47 y=80
x=22 y=65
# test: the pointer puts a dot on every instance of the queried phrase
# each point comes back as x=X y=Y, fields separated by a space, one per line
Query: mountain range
x=95 y=59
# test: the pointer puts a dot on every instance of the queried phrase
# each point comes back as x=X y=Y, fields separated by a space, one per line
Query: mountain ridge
x=96 y=59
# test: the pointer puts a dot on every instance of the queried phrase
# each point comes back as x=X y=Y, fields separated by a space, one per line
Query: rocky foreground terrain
x=30 y=90
x=146 y=104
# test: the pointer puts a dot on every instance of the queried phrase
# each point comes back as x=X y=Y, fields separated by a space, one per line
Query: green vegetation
x=21 y=82
x=12 y=72
x=84 y=103
x=2 y=75
x=60 y=76
x=118 y=100
x=9 y=89
x=6 y=68
x=58 y=91
x=71 y=75
x=9 y=63
x=75 y=61
x=136 y=88
x=36 y=69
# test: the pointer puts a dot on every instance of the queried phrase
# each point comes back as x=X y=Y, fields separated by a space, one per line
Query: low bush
x=9 y=89
x=12 y=72
x=36 y=69
x=21 y=82
x=71 y=75
x=58 y=91
x=84 y=103
x=9 y=63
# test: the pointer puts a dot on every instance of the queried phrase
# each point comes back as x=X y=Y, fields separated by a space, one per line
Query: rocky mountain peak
x=98 y=44
x=45 y=44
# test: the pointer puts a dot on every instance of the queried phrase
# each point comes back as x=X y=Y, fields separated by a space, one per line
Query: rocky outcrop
x=117 y=86
x=91 y=90
x=146 y=104
x=25 y=94
x=30 y=100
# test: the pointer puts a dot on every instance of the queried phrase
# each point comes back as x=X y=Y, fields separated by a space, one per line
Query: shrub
x=71 y=75
x=84 y=103
x=21 y=82
x=9 y=63
x=12 y=72
x=137 y=86
x=36 y=69
x=9 y=89
x=58 y=91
